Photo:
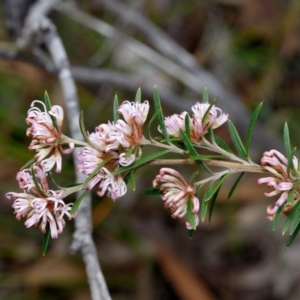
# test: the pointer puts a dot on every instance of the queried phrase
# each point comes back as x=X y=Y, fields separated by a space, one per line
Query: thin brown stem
x=231 y=166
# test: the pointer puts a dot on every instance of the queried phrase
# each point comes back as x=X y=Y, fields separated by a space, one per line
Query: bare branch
x=39 y=28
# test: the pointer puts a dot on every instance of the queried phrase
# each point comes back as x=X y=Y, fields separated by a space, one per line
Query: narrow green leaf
x=187 y=126
x=37 y=185
x=28 y=164
x=212 y=203
x=190 y=148
x=251 y=126
x=138 y=95
x=222 y=144
x=286 y=140
x=77 y=202
x=211 y=135
x=48 y=107
x=159 y=115
x=154 y=191
x=237 y=140
x=140 y=162
x=82 y=129
x=293 y=236
x=191 y=233
x=291 y=195
x=209 y=108
x=290 y=218
x=190 y=216
x=290 y=164
x=235 y=185
x=296 y=220
x=193 y=177
x=99 y=167
x=203 y=210
x=277 y=216
x=150 y=125
x=205 y=97
x=214 y=188
x=47 y=101
x=46 y=240
x=115 y=109
x=131 y=180
x=54 y=181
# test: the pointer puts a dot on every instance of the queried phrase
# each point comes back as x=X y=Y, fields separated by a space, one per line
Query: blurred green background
x=253 y=48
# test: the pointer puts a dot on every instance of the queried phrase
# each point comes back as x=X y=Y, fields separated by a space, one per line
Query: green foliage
x=77 y=202
x=159 y=115
x=237 y=140
x=115 y=108
x=46 y=240
x=48 y=107
x=191 y=149
x=190 y=215
x=251 y=127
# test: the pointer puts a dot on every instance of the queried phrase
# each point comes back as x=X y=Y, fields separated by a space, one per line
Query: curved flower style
x=89 y=159
x=47 y=138
x=200 y=122
x=135 y=115
x=174 y=123
x=176 y=193
x=39 y=205
x=203 y=121
x=276 y=163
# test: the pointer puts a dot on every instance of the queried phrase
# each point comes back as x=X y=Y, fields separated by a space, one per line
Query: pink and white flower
x=39 y=205
x=174 y=123
x=135 y=115
x=176 y=194
x=199 y=123
x=282 y=183
x=47 y=138
x=203 y=120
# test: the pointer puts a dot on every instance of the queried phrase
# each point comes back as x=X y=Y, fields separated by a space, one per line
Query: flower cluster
x=276 y=163
x=39 y=205
x=47 y=139
x=204 y=118
x=114 y=144
x=176 y=193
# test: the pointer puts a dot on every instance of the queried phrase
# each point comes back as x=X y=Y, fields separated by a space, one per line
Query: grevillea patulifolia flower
x=175 y=193
x=200 y=122
x=47 y=139
x=39 y=206
x=281 y=182
x=111 y=142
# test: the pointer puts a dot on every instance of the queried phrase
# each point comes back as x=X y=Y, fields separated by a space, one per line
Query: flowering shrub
x=111 y=154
